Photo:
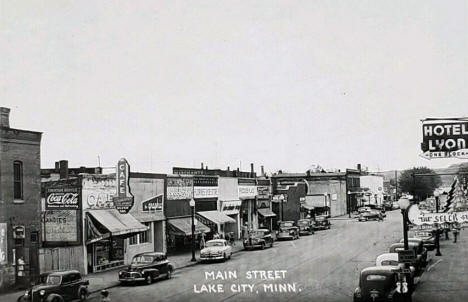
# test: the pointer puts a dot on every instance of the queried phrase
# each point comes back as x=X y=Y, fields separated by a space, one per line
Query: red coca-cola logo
x=62 y=199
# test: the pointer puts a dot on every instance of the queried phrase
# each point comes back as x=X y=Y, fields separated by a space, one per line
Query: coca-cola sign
x=62 y=198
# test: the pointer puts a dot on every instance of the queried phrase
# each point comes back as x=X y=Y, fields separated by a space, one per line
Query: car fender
x=52 y=297
x=82 y=287
x=171 y=267
x=152 y=271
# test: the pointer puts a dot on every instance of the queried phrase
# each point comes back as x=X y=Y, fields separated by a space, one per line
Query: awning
x=216 y=217
x=266 y=213
x=308 y=207
x=113 y=223
x=183 y=226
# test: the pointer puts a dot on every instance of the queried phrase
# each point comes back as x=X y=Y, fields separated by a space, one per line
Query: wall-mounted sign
x=63 y=198
x=279 y=198
x=231 y=207
x=3 y=244
x=263 y=191
x=124 y=199
x=19 y=232
x=415 y=216
x=61 y=226
x=179 y=188
x=153 y=204
x=205 y=187
x=247 y=191
x=98 y=192
x=444 y=139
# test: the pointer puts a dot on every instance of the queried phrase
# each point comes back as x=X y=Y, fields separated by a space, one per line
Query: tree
x=421 y=186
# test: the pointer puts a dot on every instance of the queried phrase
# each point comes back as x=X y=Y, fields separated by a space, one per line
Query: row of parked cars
x=389 y=279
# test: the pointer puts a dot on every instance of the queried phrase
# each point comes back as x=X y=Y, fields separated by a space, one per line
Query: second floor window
x=17 y=180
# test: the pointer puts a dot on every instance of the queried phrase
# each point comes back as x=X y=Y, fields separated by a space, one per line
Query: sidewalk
x=109 y=279
x=445 y=278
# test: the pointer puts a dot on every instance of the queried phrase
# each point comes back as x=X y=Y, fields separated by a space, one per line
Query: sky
x=283 y=84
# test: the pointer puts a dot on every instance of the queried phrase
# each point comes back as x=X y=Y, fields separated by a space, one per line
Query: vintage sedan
x=418 y=245
x=260 y=238
x=391 y=259
x=288 y=230
x=428 y=237
x=378 y=283
x=147 y=267
x=306 y=226
x=216 y=249
x=418 y=262
x=370 y=215
x=322 y=222
x=58 y=287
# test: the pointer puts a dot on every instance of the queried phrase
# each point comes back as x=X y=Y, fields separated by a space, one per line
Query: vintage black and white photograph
x=226 y=150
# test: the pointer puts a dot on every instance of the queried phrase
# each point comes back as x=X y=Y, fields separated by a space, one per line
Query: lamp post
x=192 y=207
x=404 y=203
x=349 y=204
x=281 y=200
x=327 y=204
x=436 y=195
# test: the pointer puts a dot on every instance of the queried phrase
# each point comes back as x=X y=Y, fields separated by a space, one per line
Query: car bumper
x=252 y=246
x=306 y=232
x=280 y=237
x=130 y=280
x=207 y=258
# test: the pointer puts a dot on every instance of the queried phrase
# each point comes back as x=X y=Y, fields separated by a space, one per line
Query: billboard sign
x=61 y=226
x=62 y=198
x=179 y=188
x=445 y=139
x=205 y=187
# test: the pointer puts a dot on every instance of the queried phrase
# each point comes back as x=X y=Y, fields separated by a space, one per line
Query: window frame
x=18 y=180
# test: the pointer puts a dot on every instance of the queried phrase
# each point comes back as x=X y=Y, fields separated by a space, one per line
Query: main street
x=321 y=267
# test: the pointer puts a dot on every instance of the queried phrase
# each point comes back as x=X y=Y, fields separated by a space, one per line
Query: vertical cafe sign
x=445 y=138
x=3 y=244
x=124 y=199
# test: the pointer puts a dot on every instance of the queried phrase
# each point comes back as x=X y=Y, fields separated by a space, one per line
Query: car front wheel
x=148 y=279
x=169 y=274
x=83 y=295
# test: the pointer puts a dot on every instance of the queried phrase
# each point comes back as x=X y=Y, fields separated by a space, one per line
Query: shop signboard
x=61 y=226
x=416 y=217
x=3 y=244
x=62 y=198
x=231 y=207
x=246 y=191
x=263 y=191
x=124 y=199
x=179 y=188
x=205 y=187
x=154 y=204
x=98 y=192
x=445 y=139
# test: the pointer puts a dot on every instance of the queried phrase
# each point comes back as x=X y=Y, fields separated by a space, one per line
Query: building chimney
x=228 y=168
x=4 y=117
x=57 y=166
x=202 y=166
x=262 y=169
x=359 y=167
x=63 y=169
x=251 y=169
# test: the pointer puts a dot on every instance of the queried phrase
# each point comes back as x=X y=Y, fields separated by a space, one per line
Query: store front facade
x=230 y=204
x=247 y=190
x=265 y=214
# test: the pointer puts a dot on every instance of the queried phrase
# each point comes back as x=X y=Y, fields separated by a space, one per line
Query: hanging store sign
x=60 y=226
x=62 y=198
x=444 y=139
x=3 y=244
x=179 y=188
x=415 y=216
x=154 y=204
x=124 y=199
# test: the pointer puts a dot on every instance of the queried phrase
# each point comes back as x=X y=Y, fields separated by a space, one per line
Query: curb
x=180 y=267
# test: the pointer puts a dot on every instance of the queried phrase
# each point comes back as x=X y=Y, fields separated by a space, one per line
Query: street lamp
x=327 y=203
x=349 y=203
x=192 y=207
x=404 y=204
x=281 y=198
x=436 y=195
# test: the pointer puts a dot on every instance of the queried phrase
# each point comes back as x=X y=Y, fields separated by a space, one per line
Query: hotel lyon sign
x=445 y=138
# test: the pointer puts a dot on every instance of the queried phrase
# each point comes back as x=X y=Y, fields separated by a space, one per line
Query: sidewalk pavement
x=445 y=278
x=109 y=279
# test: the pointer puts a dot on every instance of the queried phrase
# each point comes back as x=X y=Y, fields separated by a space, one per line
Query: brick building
x=20 y=197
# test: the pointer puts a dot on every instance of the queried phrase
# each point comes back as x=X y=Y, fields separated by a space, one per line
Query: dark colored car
x=418 y=262
x=146 y=267
x=306 y=226
x=428 y=237
x=260 y=238
x=288 y=230
x=377 y=283
x=418 y=246
x=58 y=287
x=322 y=222
x=372 y=214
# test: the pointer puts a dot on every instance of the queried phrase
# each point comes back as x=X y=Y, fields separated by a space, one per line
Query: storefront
x=216 y=221
x=265 y=214
x=247 y=190
x=229 y=203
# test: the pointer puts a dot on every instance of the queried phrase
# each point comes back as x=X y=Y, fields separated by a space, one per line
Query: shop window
x=146 y=236
x=133 y=240
x=17 y=180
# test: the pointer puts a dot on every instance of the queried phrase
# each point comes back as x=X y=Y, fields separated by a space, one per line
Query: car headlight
x=42 y=292
x=26 y=293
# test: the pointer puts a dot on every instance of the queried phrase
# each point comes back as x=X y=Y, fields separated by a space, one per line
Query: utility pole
x=396 y=185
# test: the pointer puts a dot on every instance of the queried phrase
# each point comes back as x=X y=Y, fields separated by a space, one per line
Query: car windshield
x=257 y=234
x=53 y=280
x=390 y=262
x=142 y=259
x=213 y=243
x=376 y=278
x=303 y=222
x=287 y=224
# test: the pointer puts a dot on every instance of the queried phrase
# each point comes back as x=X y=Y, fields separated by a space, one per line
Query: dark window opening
x=18 y=180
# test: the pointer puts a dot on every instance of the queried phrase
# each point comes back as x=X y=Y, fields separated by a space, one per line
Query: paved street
x=321 y=267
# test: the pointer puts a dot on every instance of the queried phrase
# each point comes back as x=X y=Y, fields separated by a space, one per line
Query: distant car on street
x=371 y=214
x=260 y=238
x=377 y=283
x=59 y=286
x=428 y=237
x=306 y=226
x=147 y=267
x=322 y=222
x=216 y=249
x=288 y=230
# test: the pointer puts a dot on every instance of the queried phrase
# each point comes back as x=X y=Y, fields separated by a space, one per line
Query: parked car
x=322 y=222
x=377 y=283
x=370 y=215
x=288 y=230
x=147 y=267
x=391 y=259
x=418 y=245
x=418 y=262
x=428 y=237
x=381 y=209
x=395 y=206
x=59 y=286
x=260 y=238
x=306 y=226
x=216 y=249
